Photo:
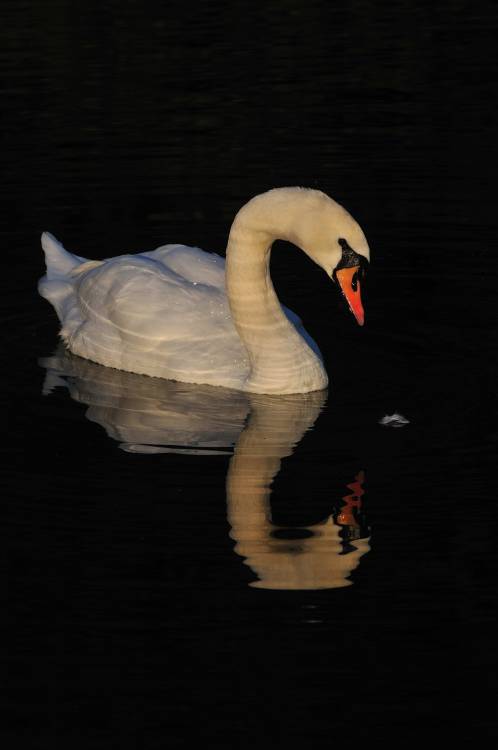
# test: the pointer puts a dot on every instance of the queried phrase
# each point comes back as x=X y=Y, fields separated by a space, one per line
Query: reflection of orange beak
x=349 y=282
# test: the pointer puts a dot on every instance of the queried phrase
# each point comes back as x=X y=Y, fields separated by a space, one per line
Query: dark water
x=162 y=595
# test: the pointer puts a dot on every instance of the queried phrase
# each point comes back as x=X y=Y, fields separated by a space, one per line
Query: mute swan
x=169 y=313
x=148 y=415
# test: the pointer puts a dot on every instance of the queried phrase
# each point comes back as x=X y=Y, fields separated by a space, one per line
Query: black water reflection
x=126 y=127
x=153 y=416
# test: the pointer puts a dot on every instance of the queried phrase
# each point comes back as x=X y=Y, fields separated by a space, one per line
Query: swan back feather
x=162 y=313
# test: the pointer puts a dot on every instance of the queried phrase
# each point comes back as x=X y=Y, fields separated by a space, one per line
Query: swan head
x=335 y=241
x=317 y=224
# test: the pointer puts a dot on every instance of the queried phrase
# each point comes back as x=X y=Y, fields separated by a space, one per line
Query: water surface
x=238 y=569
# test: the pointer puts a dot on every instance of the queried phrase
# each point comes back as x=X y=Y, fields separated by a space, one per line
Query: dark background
x=128 y=125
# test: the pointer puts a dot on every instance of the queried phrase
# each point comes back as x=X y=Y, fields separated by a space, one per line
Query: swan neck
x=281 y=360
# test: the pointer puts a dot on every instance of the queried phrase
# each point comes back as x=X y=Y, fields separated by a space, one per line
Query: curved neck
x=281 y=360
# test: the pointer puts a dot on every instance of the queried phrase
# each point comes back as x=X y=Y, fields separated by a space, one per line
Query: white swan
x=170 y=314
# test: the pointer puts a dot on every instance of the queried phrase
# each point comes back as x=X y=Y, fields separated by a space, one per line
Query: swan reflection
x=148 y=415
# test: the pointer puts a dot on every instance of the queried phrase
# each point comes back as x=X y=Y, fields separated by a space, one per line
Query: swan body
x=184 y=314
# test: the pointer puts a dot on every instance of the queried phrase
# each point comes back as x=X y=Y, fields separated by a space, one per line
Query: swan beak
x=349 y=281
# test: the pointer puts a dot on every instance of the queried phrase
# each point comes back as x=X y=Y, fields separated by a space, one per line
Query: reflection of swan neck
x=275 y=426
x=281 y=360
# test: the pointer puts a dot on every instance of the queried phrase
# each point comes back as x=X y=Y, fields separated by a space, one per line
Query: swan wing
x=192 y=264
x=140 y=313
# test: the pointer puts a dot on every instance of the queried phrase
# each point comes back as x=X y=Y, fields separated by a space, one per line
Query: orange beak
x=349 y=281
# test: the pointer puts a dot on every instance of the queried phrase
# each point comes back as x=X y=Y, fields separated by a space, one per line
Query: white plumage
x=163 y=313
x=167 y=314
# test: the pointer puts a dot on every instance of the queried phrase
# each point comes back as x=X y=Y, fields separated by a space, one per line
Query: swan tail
x=57 y=286
x=59 y=261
